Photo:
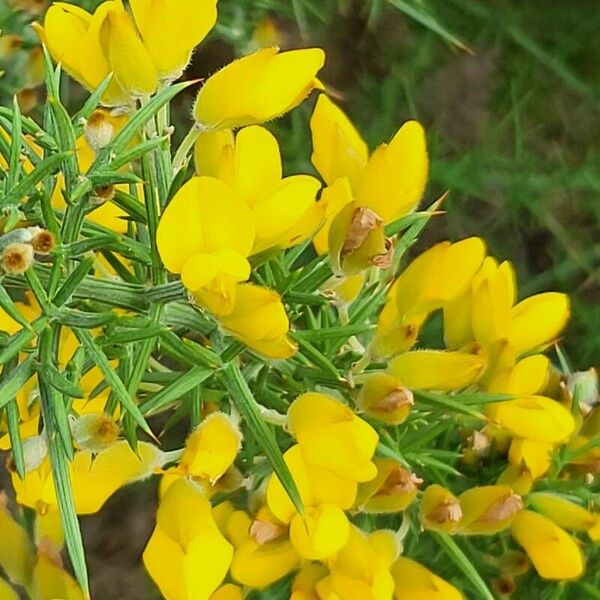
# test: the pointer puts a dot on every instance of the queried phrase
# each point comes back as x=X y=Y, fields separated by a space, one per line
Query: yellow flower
x=171 y=29
x=488 y=509
x=565 y=514
x=16 y=551
x=383 y=396
x=283 y=208
x=229 y=591
x=187 y=534
x=206 y=234
x=324 y=528
x=258 y=319
x=211 y=449
x=128 y=57
x=391 y=491
x=414 y=582
x=93 y=478
x=531 y=455
x=51 y=580
x=432 y=281
x=487 y=313
x=304 y=586
x=333 y=437
x=435 y=370
x=92 y=46
x=362 y=568
x=554 y=553
x=263 y=551
x=389 y=183
x=258 y=87
x=535 y=418
x=440 y=509
x=527 y=377
x=259 y=565
x=73 y=38
x=316 y=485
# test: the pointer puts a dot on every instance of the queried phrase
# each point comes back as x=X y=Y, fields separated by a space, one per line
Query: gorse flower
x=258 y=88
x=155 y=44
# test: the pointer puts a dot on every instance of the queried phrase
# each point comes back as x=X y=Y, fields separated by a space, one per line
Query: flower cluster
x=368 y=411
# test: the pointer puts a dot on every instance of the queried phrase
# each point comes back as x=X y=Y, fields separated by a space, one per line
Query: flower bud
x=102 y=194
x=440 y=509
x=504 y=586
x=211 y=449
x=392 y=490
x=94 y=432
x=488 y=509
x=28 y=100
x=553 y=552
x=10 y=44
x=357 y=241
x=17 y=258
x=99 y=130
x=43 y=242
x=514 y=563
x=383 y=397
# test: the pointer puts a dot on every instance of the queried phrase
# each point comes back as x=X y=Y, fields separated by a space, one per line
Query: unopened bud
x=28 y=99
x=102 y=194
x=440 y=509
x=33 y=7
x=94 y=432
x=514 y=563
x=43 y=242
x=488 y=509
x=99 y=130
x=10 y=44
x=392 y=490
x=504 y=586
x=17 y=258
x=383 y=397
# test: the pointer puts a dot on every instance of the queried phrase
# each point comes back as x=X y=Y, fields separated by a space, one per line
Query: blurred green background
x=509 y=92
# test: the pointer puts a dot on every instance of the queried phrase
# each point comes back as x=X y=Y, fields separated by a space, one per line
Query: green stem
x=181 y=157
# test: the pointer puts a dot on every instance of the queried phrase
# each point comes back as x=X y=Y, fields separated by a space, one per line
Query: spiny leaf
x=459 y=558
x=183 y=384
x=245 y=402
x=114 y=381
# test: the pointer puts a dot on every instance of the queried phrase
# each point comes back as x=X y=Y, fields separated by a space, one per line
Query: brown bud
x=504 y=586
x=99 y=130
x=263 y=532
x=43 y=242
x=27 y=99
x=10 y=44
x=103 y=194
x=17 y=258
x=34 y=7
